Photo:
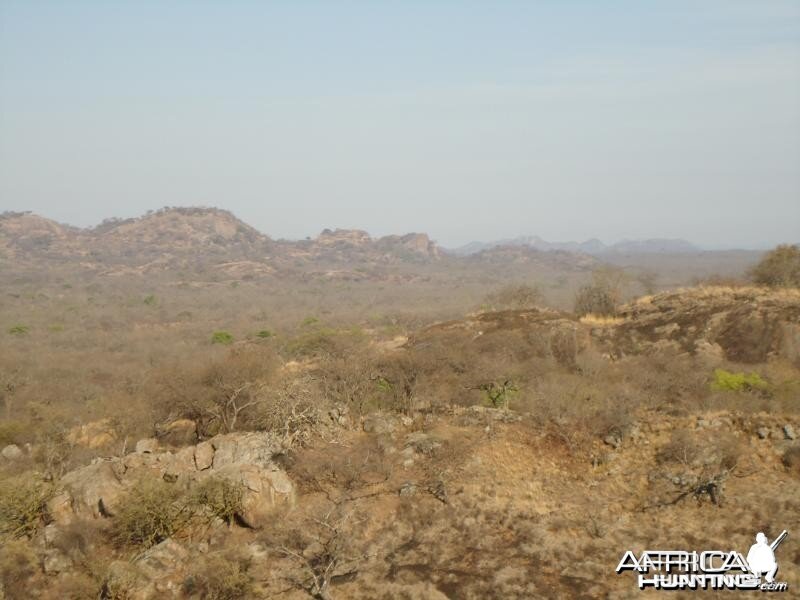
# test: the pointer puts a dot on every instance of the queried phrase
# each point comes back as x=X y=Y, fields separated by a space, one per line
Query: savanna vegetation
x=441 y=436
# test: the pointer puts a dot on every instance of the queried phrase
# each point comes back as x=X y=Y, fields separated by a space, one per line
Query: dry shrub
x=595 y=300
x=682 y=448
x=791 y=459
x=23 y=504
x=564 y=347
x=515 y=296
x=222 y=395
x=220 y=576
x=219 y=498
x=151 y=513
x=779 y=267
x=18 y=566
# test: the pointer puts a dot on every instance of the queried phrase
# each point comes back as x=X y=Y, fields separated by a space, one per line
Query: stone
x=92 y=491
x=181 y=432
x=762 y=433
x=263 y=490
x=379 y=424
x=407 y=489
x=92 y=435
x=424 y=443
x=613 y=441
x=147 y=446
x=788 y=432
x=246 y=459
x=203 y=456
x=256 y=448
x=11 y=452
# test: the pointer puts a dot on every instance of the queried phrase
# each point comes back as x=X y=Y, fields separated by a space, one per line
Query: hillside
x=449 y=461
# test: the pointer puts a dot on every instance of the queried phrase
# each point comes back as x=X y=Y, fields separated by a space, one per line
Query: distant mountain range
x=593 y=247
x=212 y=245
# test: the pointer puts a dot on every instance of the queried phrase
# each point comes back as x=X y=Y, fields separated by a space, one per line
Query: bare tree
x=323 y=551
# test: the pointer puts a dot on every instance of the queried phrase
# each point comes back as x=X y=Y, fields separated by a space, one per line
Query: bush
x=150 y=300
x=220 y=497
x=725 y=381
x=791 y=459
x=219 y=577
x=23 y=505
x=150 y=514
x=12 y=432
x=595 y=299
x=681 y=448
x=779 y=268
x=264 y=333
x=18 y=329
x=515 y=297
x=221 y=337
x=18 y=565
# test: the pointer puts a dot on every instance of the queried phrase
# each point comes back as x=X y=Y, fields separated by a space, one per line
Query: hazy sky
x=466 y=120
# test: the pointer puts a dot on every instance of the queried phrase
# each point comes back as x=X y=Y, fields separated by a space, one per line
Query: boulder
x=11 y=452
x=91 y=491
x=423 y=443
x=246 y=459
x=255 y=448
x=262 y=491
x=380 y=423
x=203 y=455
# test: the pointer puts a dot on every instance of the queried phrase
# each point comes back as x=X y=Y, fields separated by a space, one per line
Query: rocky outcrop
x=745 y=325
x=95 y=434
x=246 y=459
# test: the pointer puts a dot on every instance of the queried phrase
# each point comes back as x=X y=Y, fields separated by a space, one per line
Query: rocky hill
x=209 y=243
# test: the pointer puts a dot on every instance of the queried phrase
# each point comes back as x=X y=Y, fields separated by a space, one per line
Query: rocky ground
x=446 y=500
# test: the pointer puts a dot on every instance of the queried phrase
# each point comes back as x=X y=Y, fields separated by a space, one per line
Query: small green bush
x=150 y=300
x=221 y=337
x=725 y=381
x=264 y=333
x=19 y=330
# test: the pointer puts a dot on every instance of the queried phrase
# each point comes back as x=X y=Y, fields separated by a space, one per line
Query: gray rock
x=148 y=446
x=613 y=441
x=788 y=432
x=423 y=443
x=256 y=448
x=11 y=452
x=380 y=424
x=408 y=489
x=762 y=433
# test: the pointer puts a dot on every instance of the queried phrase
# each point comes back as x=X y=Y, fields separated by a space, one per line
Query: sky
x=467 y=120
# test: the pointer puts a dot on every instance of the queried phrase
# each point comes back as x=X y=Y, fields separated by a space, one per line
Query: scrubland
x=449 y=436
